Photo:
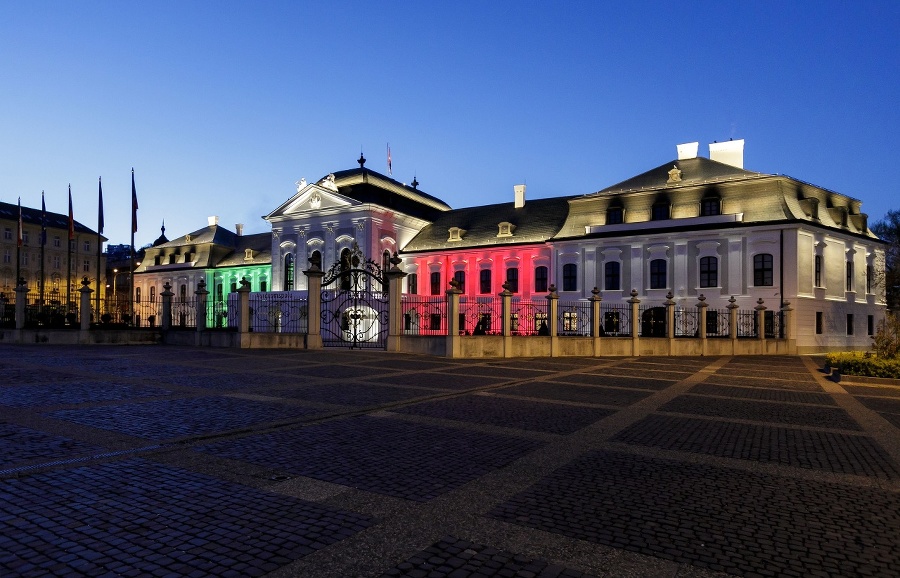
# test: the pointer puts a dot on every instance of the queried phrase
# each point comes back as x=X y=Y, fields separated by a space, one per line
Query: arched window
x=709 y=272
x=137 y=294
x=570 y=277
x=182 y=292
x=152 y=294
x=412 y=284
x=484 y=281
x=346 y=265
x=460 y=277
x=540 y=279
x=658 y=274
x=289 y=272
x=435 y=283
x=762 y=270
x=612 y=276
x=512 y=277
x=316 y=257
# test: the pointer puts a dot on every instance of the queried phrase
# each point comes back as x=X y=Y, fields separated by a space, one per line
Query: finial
x=415 y=183
x=163 y=228
x=361 y=160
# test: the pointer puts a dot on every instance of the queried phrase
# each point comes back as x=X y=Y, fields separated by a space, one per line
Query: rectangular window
x=24 y=237
x=460 y=277
x=512 y=277
x=24 y=258
x=56 y=262
x=540 y=279
x=820 y=322
x=570 y=321
x=612 y=276
x=570 y=277
x=434 y=322
x=412 y=284
x=850 y=276
x=870 y=325
x=87 y=246
x=709 y=272
x=868 y=279
x=818 y=278
x=762 y=270
x=436 y=283
x=659 y=212
x=658 y=278
x=614 y=216
x=86 y=266
x=709 y=207
x=484 y=281
x=7 y=256
x=849 y=324
x=611 y=322
x=56 y=242
x=7 y=234
x=263 y=286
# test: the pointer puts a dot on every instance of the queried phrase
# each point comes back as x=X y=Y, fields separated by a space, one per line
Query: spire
x=361 y=160
x=415 y=183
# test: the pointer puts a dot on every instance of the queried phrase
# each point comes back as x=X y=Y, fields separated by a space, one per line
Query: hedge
x=864 y=364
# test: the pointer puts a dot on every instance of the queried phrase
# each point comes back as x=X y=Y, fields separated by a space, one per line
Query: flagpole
x=134 y=208
x=19 y=245
x=99 y=239
x=43 y=242
x=69 y=266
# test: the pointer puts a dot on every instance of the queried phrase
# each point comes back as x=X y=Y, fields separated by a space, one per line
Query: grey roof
x=33 y=217
x=260 y=244
x=693 y=172
x=535 y=222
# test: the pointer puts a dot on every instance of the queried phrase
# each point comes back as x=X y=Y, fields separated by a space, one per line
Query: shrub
x=886 y=341
x=864 y=364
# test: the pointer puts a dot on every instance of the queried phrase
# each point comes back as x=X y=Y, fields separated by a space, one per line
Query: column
x=670 y=322
x=166 y=306
x=506 y=319
x=84 y=307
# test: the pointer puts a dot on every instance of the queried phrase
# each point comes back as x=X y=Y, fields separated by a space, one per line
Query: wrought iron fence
x=278 y=312
x=687 y=322
x=528 y=317
x=774 y=324
x=480 y=316
x=653 y=321
x=717 y=323
x=184 y=313
x=747 y=323
x=423 y=315
x=615 y=320
x=573 y=318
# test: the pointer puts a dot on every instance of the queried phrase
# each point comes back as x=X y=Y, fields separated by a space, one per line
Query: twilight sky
x=221 y=106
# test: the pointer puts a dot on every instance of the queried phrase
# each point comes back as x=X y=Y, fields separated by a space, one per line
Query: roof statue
x=300 y=184
x=674 y=175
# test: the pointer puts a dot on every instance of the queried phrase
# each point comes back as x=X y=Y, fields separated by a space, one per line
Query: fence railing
x=424 y=315
x=718 y=323
x=277 y=312
x=615 y=320
x=480 y=316
x=528 y=317
x=573 y=318
x=687 y=322
x=747 y=323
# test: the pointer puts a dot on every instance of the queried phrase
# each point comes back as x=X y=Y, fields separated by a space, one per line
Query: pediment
x=313 y=199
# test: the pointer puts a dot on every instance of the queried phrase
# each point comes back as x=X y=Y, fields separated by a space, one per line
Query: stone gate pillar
x=395 y=304
x=84 y=307
x=506 y=319
x=21 y=300
x=702 y=305
x=454 y=348
x=314 y=307
x=596 y=321
x=552 y=320
x=635 y=323
x=167 y=306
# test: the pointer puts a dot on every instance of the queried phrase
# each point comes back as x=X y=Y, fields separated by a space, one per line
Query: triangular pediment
x=312 y=199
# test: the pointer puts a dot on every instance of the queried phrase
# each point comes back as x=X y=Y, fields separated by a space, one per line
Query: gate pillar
x=314 y=303
x=395 y=304
x=453 y=340
x=595 y=319
x=635 y=323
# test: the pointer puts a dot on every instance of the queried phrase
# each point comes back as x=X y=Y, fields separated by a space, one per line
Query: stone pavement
x=163 y=461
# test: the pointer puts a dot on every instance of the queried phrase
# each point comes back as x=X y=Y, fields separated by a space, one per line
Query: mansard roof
x=695 y=171
x=259 y=243
x=535 y=222
x=211 y=247
x=10 y=212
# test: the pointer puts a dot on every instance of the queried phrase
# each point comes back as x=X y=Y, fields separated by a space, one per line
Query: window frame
x=484 y=282
x=609 y=276
x=659 y=278
x=542 y=280
x=570 y=277
x=763 y=271
x=512 y=278
x=709 y=275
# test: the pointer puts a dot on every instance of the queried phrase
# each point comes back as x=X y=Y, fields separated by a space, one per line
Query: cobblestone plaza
x=164 y=461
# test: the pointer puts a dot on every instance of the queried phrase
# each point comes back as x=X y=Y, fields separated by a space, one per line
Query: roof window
x=506 y=229
x=456 y=234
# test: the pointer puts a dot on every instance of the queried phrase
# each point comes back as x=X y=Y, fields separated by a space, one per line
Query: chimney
x=730 y=152
x=213 y=221
x=239 y=228
x=687 y=150
x=520 y=196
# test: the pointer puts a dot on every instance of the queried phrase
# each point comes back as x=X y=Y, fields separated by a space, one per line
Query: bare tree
x=888 y=229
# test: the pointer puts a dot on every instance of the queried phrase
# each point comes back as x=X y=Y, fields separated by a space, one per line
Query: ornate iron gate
x=354 y=303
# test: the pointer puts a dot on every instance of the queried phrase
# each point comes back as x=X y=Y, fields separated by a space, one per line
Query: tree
x=888 y=229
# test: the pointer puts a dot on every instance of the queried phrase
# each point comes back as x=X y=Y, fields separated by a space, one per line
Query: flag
x=71 y=217
x=390 y=171
x=43 y=221
x=100 y=209
x=19 y=234
x=134 y=205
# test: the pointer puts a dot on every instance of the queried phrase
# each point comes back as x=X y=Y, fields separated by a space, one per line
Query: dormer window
x=456 y=234
x=615 y=216
x=660 y=211
x=248 y=254
x=506 y=229
x=710 y=206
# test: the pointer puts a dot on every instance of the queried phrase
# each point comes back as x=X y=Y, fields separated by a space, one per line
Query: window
x=233 y=287
x=412 y=284
x=86 y=266
x=460 y=277
x=484 y=281
x=56 y=242
x=72 y=244
x=289 y=272
x=868 y=279
x=570 y=320
x=56 y=262
x=153 y=295
x=849 y=275
x=870 y=325
x=263 y=286
x=709 y=272
x=7 y=256
x=614 y=216
x=137 y=294
x=434 y=321
x=7 y=234
x=658 y=274
x=436 y=283
x=849 y=324
x=659 y=211
x=710 y=207
x=540 y=279
x=182 y=292
x=24 y=258
x=612 y=276
x=87 y=246
x=346 y=265
x=24 y=237
x=570 y=277
x=512 y=277
x=818 y=275
x=820 y=322
x=762 y=270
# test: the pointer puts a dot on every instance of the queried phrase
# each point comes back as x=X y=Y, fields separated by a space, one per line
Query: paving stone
x=136 y=492
x=438 y=380
x=870 y=390
x=387 y=456
x=831 y=417
x=354 y=394
x=576 y=393
x=20 y=446
x=761 y=394
x=827 y=451
x=455 y=558
x=75 y=392
x=513 y=413
x=182 y=417
x=698 y=512
x=604 y=378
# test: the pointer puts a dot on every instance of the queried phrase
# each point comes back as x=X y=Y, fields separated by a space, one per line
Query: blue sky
x=221 y=106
